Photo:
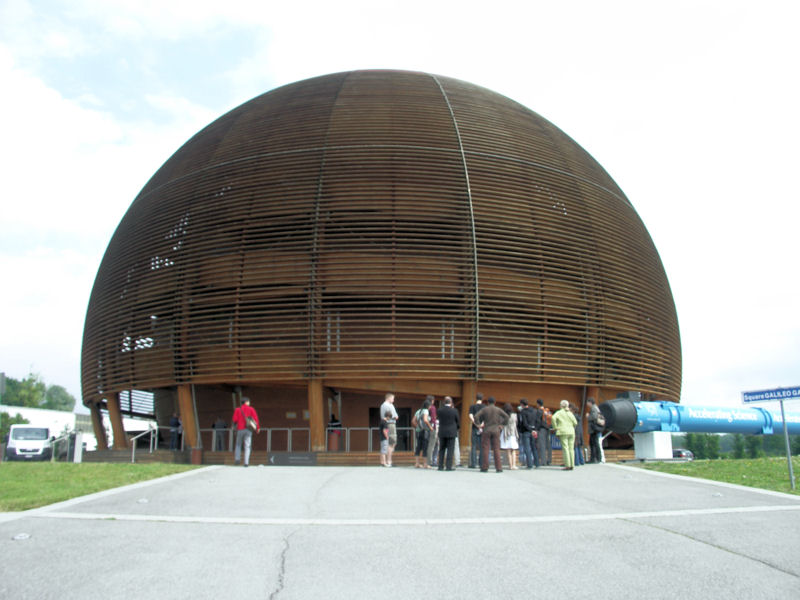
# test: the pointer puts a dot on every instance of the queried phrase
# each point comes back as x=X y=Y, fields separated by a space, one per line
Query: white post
x=77 y=453
x=653 y=445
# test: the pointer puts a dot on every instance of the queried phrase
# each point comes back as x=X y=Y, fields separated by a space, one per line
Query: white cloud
x=691 y=108
x=42 y=319
x=70 y=174
x=181 y=111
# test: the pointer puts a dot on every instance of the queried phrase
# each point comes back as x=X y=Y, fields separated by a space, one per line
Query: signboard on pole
x=776 y=395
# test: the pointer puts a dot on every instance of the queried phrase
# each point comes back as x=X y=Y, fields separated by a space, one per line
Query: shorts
x=384 y=446
x=392 y=434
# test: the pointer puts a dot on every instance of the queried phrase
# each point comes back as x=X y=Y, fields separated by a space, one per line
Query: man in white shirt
x=388 y=406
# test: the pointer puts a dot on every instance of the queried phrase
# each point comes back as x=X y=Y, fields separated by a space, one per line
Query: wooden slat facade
x=381 y=225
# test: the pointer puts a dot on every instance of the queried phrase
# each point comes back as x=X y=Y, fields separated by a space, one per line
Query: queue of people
x=522 y=435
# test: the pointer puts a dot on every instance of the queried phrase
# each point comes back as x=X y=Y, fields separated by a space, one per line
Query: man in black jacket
x=448 y=430
x=528 y=426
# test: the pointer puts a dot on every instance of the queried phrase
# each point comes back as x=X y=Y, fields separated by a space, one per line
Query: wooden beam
x=316 y=415
x=186 y=411
x=469 y=388
x=99 y=428
x=118 y=429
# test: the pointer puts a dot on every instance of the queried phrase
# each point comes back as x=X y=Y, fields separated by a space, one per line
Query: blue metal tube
x=668 y=416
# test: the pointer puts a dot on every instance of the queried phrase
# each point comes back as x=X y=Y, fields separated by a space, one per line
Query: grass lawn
x=767 y=473
x=30 y=485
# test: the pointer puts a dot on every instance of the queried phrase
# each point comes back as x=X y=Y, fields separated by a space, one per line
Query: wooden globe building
x=374 y=231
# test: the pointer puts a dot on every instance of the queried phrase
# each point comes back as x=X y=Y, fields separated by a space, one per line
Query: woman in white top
x=509 y=437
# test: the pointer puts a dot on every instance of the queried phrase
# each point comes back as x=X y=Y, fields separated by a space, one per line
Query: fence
x=274 y=439
x=287 y=439
x=270 y=439
x=366 y=438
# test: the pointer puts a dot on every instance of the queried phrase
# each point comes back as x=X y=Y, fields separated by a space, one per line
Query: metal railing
x=54 y=446
x=223 y=440
x=406 y=434
x=153 y=441
x=226 y=437
x=289 y=433
x=155 y=432
x=278 y=439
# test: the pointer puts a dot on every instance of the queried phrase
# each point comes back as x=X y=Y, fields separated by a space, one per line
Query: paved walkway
x=601 y=531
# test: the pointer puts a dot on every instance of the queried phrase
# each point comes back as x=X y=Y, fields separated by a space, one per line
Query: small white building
x=60 y=422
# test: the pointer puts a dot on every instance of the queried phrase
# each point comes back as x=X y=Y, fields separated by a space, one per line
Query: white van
x=28 y=442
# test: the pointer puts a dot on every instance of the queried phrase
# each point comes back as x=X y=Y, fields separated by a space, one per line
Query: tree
x=28 y=392
x=753 y=446
x=726 y=443
x=32 y=392
x=711 y=443
x=738 y=446
x=678 y=440
x=7 y=421
x=775 y=445
x=58 y=398
x=697 y=444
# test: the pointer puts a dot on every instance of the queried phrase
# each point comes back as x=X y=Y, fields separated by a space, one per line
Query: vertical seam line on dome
x=472 y=229
x=312 y=289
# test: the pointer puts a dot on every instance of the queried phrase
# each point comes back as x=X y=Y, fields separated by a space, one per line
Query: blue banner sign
x=792 y=393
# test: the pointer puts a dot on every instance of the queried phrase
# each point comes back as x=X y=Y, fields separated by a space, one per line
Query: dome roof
x=381 y=224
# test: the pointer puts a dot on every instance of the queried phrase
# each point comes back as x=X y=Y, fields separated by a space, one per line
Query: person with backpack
x=245 y=419
x=597 y=423
x=423 y=427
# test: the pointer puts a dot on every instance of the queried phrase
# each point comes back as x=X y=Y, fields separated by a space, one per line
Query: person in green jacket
x=564 y=424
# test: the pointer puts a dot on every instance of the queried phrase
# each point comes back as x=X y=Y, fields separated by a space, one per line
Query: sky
x=692 y=107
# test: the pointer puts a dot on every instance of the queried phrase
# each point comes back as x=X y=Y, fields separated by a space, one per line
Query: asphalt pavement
x=600 y=531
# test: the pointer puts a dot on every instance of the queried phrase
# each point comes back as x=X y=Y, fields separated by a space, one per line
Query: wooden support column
x=99 y=428
x=469 y=389
x=186 y=411
x=118 y=429
x=316 y=415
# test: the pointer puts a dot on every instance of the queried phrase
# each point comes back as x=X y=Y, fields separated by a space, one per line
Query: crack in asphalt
x=314 y=503
x=282 y=567
x=713 y=545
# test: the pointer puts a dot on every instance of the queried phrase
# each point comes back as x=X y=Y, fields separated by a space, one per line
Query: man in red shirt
x=244 y=434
